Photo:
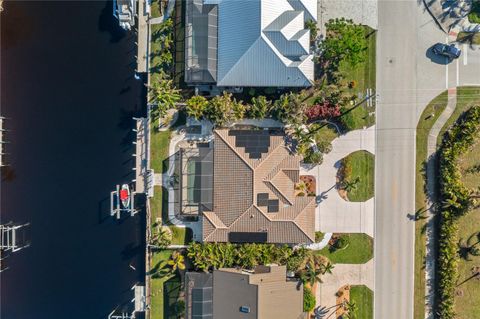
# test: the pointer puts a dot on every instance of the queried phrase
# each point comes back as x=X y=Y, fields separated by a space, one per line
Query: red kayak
x=125 y=195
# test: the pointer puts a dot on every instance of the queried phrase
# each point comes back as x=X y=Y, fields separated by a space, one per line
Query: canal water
x=68 y=89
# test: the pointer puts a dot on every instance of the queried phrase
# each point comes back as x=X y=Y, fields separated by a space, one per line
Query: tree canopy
x=344 y=41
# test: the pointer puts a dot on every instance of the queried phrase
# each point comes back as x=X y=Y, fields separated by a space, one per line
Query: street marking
x=446 y=74
x=465 y=50
x=458 y=73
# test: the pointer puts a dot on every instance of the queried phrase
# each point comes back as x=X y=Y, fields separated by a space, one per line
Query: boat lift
x=9 y=239
x=116 y=207
x=123 y=315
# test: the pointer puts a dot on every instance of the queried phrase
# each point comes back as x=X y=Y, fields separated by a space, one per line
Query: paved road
x=395 y=159
x=408 y=77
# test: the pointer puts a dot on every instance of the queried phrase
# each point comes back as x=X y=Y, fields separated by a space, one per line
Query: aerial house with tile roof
x=251 y=194
x=251 y=43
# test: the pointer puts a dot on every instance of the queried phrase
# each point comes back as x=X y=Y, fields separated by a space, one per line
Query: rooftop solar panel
x=247 y=237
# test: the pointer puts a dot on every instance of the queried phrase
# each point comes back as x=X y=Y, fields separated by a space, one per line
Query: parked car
x=448 y=50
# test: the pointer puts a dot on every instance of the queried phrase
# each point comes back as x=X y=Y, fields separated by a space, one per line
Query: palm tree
x=177 y=261
x=350 y=185
x=351 y=310
x=327 y=268
x=161 y=239
x=164 y=94
x=310 y=275
x=260 y=107
x=248 y=255
x=196 y=106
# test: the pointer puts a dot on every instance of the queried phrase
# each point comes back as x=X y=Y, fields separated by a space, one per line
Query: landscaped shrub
x=219 y=255
x=309 y=300
x=474 y=15
x=456 y=201
x=323 y=111
x=319 y=236
x=341 y=243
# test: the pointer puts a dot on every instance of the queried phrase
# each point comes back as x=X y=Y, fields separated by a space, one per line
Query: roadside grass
x=362 y=296
x=466 y=97
x=360 y=164
x=359 y=250
x=472 y=38
x=427 y=119
x=466 y=302
x=157 y=285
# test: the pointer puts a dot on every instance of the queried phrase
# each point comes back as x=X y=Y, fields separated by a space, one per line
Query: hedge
x=456 y=201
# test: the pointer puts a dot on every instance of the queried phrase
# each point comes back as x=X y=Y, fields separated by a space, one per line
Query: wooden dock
x=143 y=39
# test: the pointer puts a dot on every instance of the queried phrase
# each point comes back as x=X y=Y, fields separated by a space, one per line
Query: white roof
x=264 y=43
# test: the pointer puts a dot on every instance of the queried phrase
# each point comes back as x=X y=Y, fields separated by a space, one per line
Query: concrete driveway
x=334 y=214
x=360 y=11
x=343 y=274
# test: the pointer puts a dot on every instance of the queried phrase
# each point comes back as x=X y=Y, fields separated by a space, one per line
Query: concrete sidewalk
x=334 y=214
x=430 y=234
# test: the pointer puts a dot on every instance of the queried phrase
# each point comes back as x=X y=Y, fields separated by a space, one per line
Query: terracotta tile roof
x=238 y=179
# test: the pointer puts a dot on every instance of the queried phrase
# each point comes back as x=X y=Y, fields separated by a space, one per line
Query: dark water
x=67 y=86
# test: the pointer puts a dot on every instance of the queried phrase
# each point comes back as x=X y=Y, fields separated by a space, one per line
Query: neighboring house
x=236 y=294
x=254 y=43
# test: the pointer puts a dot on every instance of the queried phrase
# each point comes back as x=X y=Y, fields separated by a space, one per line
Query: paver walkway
x=431 y=178
x=333 y=213
x=343 y=274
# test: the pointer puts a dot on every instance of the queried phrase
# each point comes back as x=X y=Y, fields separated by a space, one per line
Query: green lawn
x=362 y=296
x=181 y=235
x=172 y=291
x=157 y=285
x=156 y=204
x=363 y=75
x=359 y=251
x=425 y=123
x=360 y=164
x=159 y=144
x=155 y=9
